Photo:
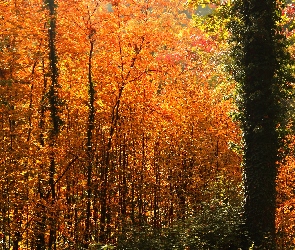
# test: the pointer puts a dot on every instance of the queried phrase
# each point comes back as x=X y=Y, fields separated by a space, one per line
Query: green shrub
x=216 y=226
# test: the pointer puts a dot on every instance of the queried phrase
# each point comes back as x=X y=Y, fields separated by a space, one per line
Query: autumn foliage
x=144 y=133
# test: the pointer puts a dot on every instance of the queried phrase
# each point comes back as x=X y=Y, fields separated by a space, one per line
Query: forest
x=125 y=124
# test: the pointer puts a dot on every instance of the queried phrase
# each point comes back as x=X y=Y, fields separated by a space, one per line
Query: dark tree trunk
x=258 y=43
x=89 y=150
x=52 y=94
x=106 y=168
x=40 y=211
x=54 y=104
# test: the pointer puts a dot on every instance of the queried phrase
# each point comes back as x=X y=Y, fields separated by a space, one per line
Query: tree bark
x=54 y=114
x=260 y=114
x=91 y=116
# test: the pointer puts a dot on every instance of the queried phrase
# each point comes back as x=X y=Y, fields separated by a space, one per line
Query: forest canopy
x=121 y=127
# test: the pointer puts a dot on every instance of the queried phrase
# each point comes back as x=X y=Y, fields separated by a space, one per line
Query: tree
x=262 y=76
x=144 y=126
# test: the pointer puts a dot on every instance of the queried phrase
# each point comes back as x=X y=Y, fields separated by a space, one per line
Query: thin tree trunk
x=17 y=234
x=91 y=116
x=106 y=167
x=55 y=119
x=40 y=209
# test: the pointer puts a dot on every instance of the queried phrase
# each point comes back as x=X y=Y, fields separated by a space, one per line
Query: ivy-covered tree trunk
x=90 y=127
x=259 y=54
x=260 y=121
x=54 y=105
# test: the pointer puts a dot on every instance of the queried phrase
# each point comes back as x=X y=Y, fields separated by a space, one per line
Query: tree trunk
x=91 y=115
x=259 y=106
x=40 y=209
x=55 y=119
x=106 y=168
